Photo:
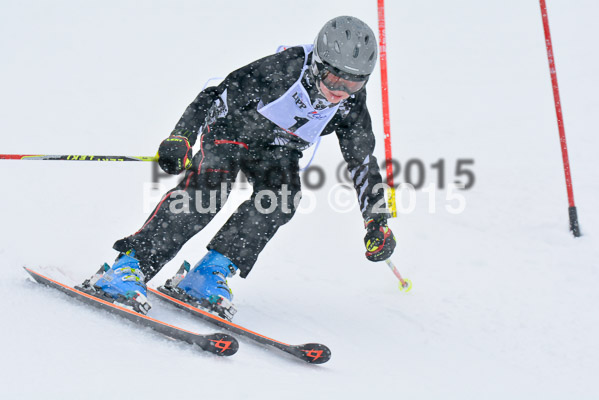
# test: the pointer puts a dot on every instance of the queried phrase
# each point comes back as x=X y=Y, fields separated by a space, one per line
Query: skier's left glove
x=379 y=239
x=174 y=154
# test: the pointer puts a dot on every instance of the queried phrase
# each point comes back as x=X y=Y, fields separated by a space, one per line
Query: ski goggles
x=337 y=83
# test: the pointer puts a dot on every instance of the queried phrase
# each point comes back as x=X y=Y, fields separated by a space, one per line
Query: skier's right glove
x=174 y=154
x=379 y=240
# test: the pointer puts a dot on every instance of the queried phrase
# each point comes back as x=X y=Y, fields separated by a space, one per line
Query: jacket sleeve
x=357 y=142
x=193 y=120
x=216 y=102
x=264 y=79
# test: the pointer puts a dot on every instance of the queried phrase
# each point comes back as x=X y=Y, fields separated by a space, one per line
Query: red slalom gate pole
x=386 y=120
x=405 y=285
x=574 y=227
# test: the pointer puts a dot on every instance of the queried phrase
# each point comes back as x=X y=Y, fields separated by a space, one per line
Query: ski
x=217 y=343
x=313 y=353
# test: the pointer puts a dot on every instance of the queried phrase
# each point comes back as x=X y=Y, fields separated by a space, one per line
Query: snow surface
x=504 y=304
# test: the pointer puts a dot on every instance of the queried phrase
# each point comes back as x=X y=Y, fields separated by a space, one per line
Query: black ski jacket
x=232 y=106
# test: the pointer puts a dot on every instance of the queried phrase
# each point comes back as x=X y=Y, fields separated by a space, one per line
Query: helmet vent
x=371 y=56
x=334 y=24
x=356 y=52
x=366 y=39
x=325 y=39
x=337 y=47
x=348 y=34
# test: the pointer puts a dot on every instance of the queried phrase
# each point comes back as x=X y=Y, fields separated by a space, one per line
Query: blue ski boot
x=206 y=285
x=123 y=282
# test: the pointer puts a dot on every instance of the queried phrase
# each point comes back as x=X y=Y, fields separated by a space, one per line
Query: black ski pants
x=273 y=172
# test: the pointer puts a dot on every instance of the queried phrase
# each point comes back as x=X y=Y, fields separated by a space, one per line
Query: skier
x=258 y=120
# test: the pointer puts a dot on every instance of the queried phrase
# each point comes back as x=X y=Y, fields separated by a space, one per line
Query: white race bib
x=293 y=111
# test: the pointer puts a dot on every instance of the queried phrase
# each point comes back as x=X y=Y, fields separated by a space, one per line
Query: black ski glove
x=379 y=239
x=174 y=154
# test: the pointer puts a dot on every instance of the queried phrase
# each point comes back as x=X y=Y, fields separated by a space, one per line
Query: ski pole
x=67 y=157
x=405 y=285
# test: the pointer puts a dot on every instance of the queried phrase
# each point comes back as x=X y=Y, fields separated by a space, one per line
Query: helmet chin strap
x=320 y=103
x=317 y=83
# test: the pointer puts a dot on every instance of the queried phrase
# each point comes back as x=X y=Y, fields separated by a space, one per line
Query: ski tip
x=32 y=273
x=221 y=344
x=313 y=353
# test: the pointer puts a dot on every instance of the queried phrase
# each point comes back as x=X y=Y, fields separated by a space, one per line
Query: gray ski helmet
x=347 y=47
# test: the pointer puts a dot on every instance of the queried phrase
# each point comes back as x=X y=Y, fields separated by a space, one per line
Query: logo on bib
x=316 y=115
x=298 y=101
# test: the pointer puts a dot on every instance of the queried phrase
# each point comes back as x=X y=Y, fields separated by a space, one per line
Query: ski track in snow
x=504 y=299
